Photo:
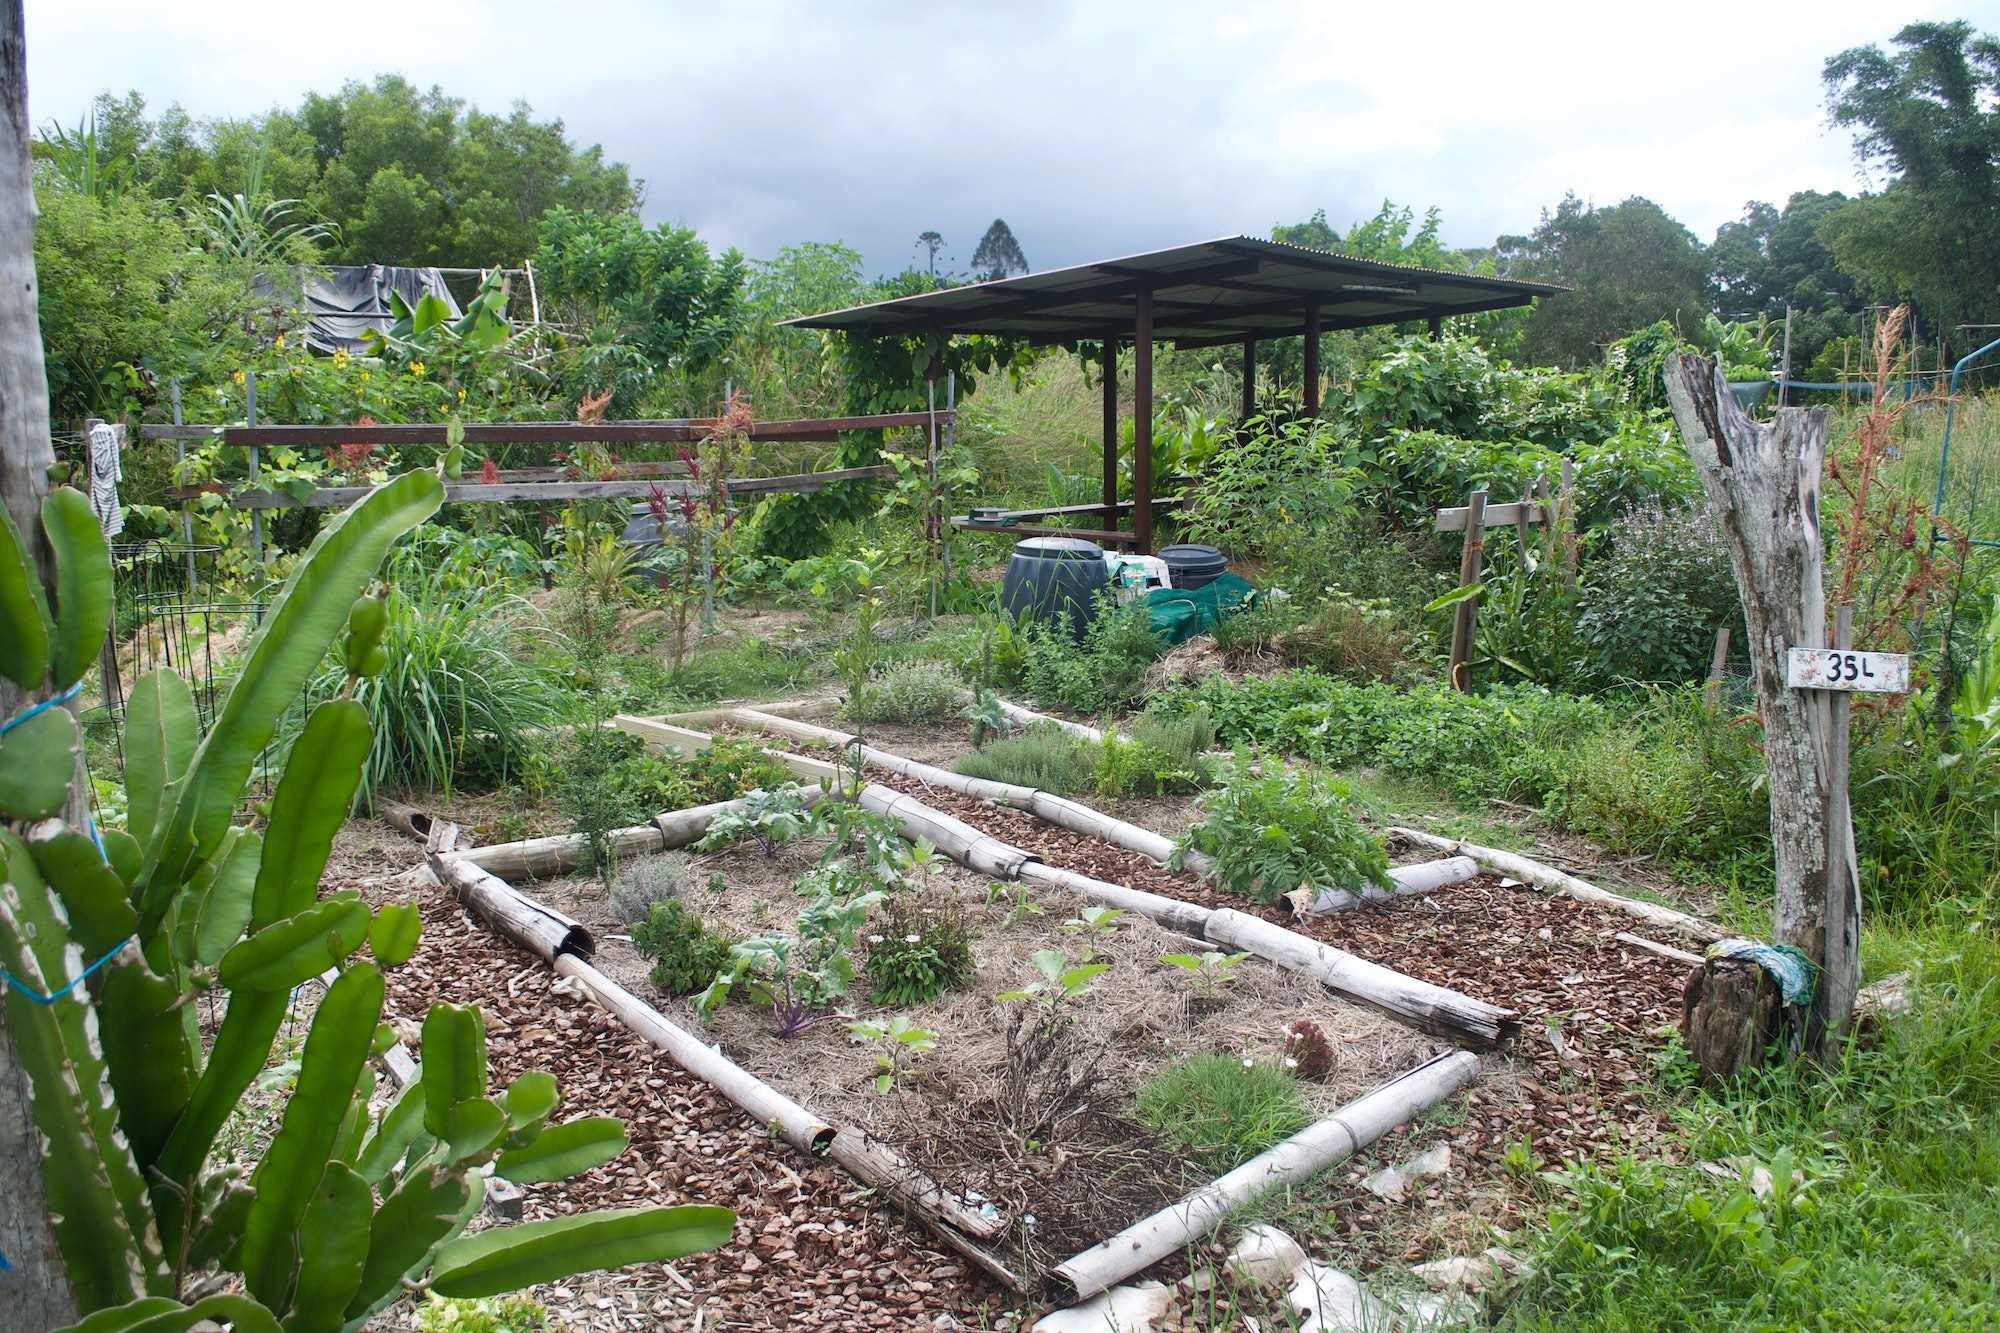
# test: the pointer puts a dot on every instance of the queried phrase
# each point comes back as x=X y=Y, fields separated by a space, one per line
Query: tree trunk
x=1763 y=481
x=34 y=1288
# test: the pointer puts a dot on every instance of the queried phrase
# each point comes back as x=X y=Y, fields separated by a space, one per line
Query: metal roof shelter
x=1235 y=290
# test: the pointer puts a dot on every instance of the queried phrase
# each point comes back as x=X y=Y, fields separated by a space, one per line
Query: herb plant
x=923 y=950
x=687 y=953
x=899 y=1039
x=802 y=974
x=1270 y=831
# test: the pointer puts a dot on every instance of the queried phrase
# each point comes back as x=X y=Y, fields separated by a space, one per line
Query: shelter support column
x=1437 y=328
x=1249 y=378
x=1142 y=421
x=1110 y=434
x=1312 y=361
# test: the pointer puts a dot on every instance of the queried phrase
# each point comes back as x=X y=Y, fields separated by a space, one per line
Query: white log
x=1410 y=881
x=764 y=1104
x=1534 y=872
x=1028 y=717
x=955 y=838
x=704 y=718
x=1428 y=1008
x=1353 y=1127
x=1663 y=950
x=548 y=858
x=541 y=929
x=1430 y=840
x=1172 y=913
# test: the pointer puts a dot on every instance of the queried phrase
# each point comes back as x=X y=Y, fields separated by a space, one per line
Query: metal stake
x=180 y=461
x=250 y=419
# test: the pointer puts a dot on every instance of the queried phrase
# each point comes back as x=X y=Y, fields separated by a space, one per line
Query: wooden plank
x=662 y=733
x=562 y=432
x=178 y=432
x=472 y=492
x=1497 y=516
x=1037 y=530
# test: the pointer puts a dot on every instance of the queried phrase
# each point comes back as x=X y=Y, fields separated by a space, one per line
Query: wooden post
x=1249 y=378
x=187 y=515
x=1111 y=435
x=1471 y=560
x=1763 y=481
x=1717 y=666
x=1521 y=525
x=1437 y=328
x=34 y=1287
x=1840 y=975
x=1142 y=421
x=1312 y=361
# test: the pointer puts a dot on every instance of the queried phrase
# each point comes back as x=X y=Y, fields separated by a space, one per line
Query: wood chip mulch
x=811 y=1249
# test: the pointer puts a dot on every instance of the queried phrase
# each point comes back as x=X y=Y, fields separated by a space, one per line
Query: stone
x=1266 y=1256
x=1141 y=1308
x=1391 y=1182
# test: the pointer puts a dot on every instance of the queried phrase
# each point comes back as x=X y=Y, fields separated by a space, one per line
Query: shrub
x=1651 y=608
x=649 y=880
x=1223 y=1109
x=1106 y=671
x=1270 y=831
x=498 y=1314
x=923 y=948
x=1165 y=756
x=454 y=700
x=910 y=692
x=1044 y=757
x=686 y=952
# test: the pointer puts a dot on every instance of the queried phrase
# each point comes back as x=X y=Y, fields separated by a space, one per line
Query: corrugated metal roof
x=1207 y=293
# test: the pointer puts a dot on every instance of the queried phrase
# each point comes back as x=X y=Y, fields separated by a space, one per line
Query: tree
x=999 y=254
x=1628 y=266
x=932 y=243
x=1769 y=260
x=1927 y=113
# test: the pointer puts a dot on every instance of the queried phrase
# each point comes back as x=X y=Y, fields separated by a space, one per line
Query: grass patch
x=1223 y=1109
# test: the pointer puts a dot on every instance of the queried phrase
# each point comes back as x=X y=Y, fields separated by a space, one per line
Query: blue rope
x=40 y=998
x=62 y=698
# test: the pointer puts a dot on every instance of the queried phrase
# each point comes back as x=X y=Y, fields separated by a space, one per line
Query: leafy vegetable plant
x=1270 y=831
x=1211 y=968
x=899 y=1039
x=768 y=817
x=800 y=975
x=1060 y=982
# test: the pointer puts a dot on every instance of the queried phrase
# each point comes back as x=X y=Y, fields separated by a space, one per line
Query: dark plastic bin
x=1191 y=565
x=1050 y=578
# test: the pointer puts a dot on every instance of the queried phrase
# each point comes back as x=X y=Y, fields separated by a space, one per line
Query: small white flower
x=912 y=939
x=1248 y=1063
x=874 y=939
x=1291 y=1063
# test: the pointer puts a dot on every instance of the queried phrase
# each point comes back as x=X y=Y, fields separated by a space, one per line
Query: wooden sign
x=1843 y=669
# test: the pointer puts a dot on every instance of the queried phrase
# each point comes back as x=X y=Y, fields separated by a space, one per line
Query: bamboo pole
x=1534 y=872
x=957 y=839
x=1171 y=913
x=549 y=934
x=1428 y=1008
x=1028 y=717
x=1296 y=1160
x=1409 y=881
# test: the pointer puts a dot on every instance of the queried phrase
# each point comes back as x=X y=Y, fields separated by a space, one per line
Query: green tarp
x=1178 y=615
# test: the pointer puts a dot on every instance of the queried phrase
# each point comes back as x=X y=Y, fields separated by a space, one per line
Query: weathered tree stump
x=1732 y=1014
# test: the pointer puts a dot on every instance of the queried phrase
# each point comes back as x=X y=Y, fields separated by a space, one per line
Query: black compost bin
x=1191 y=565
x=1052 y=577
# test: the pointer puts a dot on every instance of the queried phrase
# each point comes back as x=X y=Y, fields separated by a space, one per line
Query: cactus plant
x=349 y=1204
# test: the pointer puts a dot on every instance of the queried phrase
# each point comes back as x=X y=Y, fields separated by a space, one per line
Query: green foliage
x=911 y=693
x=1044 y=757
x=800 y=975
x=505 y=1314
x=1059 y=983
x=899 y=1039
x=1211 y=968
x=686 y=952
x=1502 y=743
x=345 y=1201
x=921 y=948
x=768 y=817
x=1651 y=607
x=1223 y=1109
x=1269 y=832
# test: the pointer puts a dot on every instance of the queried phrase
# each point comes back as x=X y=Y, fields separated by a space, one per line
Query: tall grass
x=454 y=701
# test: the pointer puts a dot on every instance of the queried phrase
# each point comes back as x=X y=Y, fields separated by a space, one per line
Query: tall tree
x=1927 y=112
x=1769 y=260
x=34 y=1287
x=999 y=254
x=1627 y=266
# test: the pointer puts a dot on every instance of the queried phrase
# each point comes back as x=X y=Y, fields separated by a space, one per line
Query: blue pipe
x=1944 y=457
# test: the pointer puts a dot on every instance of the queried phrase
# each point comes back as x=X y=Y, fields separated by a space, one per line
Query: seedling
x=899 y=1039
x=770 y=817
x=1060 y=982
x=988 y=718
x=1211 y=968
x=1023 y=905
x=1094 y=923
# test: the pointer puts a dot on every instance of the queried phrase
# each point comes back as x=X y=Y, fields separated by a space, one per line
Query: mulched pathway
x=810 y=1250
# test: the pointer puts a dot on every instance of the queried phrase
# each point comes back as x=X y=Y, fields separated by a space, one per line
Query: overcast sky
x=1095 y=129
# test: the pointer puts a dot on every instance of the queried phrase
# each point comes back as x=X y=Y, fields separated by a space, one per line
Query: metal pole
x=1142 y=421
x=1841 y=966
x=1785 y=366
x=1312 y=361
x=1249 y=378
x=180 y=461
x=933 y=526
x=250 y=419
x=1110 y=435
x=950 y=407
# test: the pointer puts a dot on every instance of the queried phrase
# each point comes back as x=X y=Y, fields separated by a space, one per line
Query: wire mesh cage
x=173 y=613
